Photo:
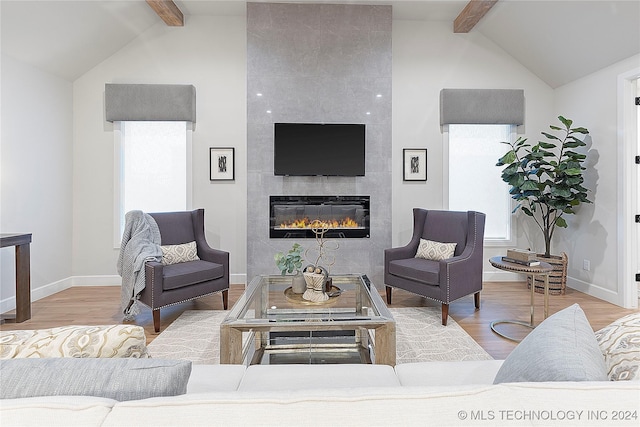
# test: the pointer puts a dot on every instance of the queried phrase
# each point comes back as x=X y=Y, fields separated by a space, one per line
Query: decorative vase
x=557 y=277
x=315 y=287
x=298 y=284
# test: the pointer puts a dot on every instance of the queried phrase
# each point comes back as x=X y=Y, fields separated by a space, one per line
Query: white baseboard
x=238 y=278
x=115 y=280
x=60 y=285
x=573 y=283
x=106 y=280
x=38 y=293
x=595 y=291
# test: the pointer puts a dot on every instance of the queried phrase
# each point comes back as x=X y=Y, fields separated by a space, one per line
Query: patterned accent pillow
x=174 y=254
x=620 y=345
x=75 y=341
x=435 y=251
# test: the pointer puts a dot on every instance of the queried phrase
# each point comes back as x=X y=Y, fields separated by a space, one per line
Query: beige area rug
x=420 y=337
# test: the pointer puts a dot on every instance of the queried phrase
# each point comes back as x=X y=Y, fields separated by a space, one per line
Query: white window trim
x=445 y=189
x=118 y=183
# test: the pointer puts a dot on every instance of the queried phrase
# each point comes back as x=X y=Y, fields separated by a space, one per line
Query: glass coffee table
x=269 y=324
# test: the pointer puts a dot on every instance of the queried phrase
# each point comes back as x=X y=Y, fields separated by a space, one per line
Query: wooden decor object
x=168 y=11
x=471 y=15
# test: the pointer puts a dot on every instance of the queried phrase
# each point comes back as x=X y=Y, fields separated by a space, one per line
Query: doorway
x=637 y=189
x=628 y=198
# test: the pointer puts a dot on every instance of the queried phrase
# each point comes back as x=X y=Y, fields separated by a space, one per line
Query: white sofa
x=560 y=374
x=429 y=393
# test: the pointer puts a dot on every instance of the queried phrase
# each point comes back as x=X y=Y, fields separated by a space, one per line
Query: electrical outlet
x=586 y=265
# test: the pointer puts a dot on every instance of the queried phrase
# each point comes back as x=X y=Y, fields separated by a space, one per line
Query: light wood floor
x=500 y=300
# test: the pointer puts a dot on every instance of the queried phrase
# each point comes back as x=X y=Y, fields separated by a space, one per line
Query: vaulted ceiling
x=559 y=41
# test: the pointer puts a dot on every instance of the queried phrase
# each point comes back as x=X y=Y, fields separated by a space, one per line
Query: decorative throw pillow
x=620 y=345
x=561 y=348
x=174 y=254
x=435 y=251
x=118 y=379
x=75 y=341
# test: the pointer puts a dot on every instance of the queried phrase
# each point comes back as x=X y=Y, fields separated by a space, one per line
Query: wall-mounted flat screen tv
x=310 y=149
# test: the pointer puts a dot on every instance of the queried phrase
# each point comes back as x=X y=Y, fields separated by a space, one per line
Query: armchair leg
x=156 y=320
x=225 y=299
x=445 y=314
x=388 y=290
x=476 y=300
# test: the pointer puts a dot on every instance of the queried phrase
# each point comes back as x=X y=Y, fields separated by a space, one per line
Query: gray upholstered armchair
x=444 y=280
x=175 y=283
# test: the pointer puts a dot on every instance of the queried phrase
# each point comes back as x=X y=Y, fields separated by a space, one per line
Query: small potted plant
x=291 y=263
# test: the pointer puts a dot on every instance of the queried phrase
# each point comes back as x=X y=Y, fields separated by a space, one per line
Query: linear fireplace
x=297 y=216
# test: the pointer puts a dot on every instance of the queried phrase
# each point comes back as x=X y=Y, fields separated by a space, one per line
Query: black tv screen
x=308 y=149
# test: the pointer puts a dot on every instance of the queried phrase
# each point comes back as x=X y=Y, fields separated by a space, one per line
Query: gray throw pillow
x=562 y=348
x=119 y=379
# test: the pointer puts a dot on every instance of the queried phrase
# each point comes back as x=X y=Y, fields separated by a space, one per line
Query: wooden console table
x=538 y=270
x=23 y=274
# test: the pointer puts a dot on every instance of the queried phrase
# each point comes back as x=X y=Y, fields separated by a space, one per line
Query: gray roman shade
x=482 y=106
x=150 y=102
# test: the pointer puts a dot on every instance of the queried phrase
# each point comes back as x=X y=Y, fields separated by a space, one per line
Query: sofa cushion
x=118 y=379
x=75 y=341
x=417 y=269
x=173 y=254
x=561 y=348
x=209 y=378
x=189 y=273
x=435 y=251
x=448 y=373
x=620 y=345
x=55 y=411
x=301 y=377
x=557 y=404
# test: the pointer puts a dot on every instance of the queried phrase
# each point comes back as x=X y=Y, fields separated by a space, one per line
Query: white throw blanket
x=140 y=243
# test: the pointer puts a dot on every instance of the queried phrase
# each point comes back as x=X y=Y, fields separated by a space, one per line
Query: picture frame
x=414 y=164
x=222 y=166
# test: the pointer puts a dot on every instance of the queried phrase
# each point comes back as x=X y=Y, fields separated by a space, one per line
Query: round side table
x=535 y=270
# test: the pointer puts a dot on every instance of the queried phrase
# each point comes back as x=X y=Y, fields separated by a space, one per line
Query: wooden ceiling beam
x=168 y=11
x=471 y=15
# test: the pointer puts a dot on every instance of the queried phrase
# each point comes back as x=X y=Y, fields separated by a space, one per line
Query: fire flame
x=333 y=223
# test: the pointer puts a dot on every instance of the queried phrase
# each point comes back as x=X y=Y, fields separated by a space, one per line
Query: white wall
x=36 y=175
x=427 y=57
x=593 y=102
x=210 y=53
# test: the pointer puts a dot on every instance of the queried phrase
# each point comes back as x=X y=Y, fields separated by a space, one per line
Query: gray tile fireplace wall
x=319 y=63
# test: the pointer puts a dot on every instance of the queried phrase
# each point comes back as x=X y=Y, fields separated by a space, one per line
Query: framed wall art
x=414 y=164
x=222 y=165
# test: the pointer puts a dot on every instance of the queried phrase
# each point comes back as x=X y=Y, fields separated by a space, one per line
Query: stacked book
x=521 y=257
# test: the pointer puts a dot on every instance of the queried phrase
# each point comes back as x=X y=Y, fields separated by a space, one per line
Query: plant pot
x=298 y=284
x=557 y=277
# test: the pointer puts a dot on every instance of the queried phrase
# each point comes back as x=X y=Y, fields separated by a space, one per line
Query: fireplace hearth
x=297 y=216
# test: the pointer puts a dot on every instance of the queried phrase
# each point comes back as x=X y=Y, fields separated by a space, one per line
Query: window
x=153 y=168
x=473 y=181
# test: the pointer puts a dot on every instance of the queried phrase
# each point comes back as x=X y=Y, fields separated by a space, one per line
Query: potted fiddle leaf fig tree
x=546 y=179
x=291 y=263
